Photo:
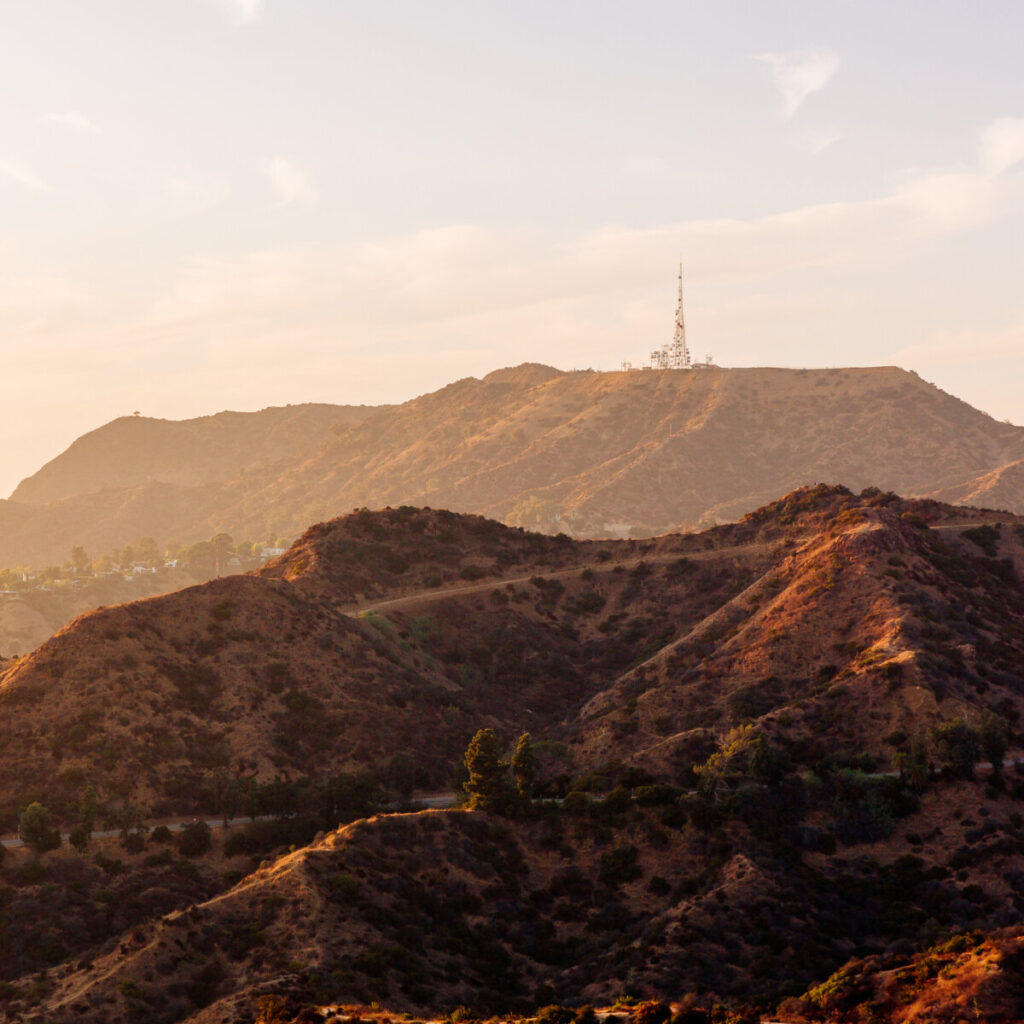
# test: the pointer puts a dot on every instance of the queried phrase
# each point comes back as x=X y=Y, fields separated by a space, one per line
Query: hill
x=590 y=454
x=767 y=748
x=134 y=450
x=285 y=670
x=834 y=622
x=423 y=913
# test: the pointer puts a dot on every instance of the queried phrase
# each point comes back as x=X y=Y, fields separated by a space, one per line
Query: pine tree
x=524 y=767
x=488 y=786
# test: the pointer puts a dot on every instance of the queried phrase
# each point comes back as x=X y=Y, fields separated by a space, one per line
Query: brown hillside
x=1001 y=488
x=889 y=619
x=835 y=622
x=717 y=714
x=135 y=450
x=650 y=451
x=971 y=977
x=277 y=673
x=422 y=913
x=591 y=454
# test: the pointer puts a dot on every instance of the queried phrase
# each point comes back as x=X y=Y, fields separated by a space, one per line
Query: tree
x=400 y=775
x=742 y=753
x=201 y=559
x=80 y=561
x=958 y=746
x=87 y=807
x=525 y=766
x=223 y=547
x=148 y=550
x=34 y=829
x=126 y=557
x=488 y=786
x=994 y=741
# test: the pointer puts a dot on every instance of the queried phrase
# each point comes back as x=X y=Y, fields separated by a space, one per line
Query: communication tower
x=675 y=356
x=679 y=354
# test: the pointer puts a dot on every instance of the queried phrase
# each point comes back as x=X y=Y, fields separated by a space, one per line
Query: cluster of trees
x=954 y=748
x=217 y=556
x=494 y=783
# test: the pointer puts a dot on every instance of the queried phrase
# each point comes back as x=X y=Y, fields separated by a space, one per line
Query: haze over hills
x=590 y=454
x=739 y=697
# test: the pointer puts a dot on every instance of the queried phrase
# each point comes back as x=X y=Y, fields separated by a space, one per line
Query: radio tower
x=679 y=354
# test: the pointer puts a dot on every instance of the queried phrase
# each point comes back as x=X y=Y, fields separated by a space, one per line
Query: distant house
x=268 y=553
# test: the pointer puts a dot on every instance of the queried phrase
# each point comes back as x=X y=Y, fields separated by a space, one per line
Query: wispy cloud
x=292 y=185
x=818 y=141
x=1002 y=144
x=73 y=119
x=800 y=73
x=21 y=174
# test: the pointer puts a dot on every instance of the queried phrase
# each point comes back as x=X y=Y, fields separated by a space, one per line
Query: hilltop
x=134 y=450
x=585 y=453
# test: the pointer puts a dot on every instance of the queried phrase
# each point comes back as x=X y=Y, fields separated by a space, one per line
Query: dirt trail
x=430 y=596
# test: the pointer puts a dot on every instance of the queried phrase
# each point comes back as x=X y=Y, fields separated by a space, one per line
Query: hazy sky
x=210 y=204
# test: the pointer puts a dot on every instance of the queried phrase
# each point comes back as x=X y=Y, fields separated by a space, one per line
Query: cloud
x=245 y=11
x=1002 y=144
x=292 y=185
x=21 y=174
x=818 y=141
x=800 y=73
x=73 y=119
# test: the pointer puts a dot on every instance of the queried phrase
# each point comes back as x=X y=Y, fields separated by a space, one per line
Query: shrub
x=161 y=834
x=985 y=537
x=555 y=1014
x=651 y=1012
x=653 y=796
x=575 y=803
x=619 y=866
x=78 y=837
x=134 y=842
x=195 y=839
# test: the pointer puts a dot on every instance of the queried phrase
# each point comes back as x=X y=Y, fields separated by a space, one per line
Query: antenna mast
x=679 y=358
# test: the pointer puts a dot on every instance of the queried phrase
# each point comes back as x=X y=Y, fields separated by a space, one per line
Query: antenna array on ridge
x=675 y=356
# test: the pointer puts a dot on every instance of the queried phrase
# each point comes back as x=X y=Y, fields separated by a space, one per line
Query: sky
x=233 y=204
